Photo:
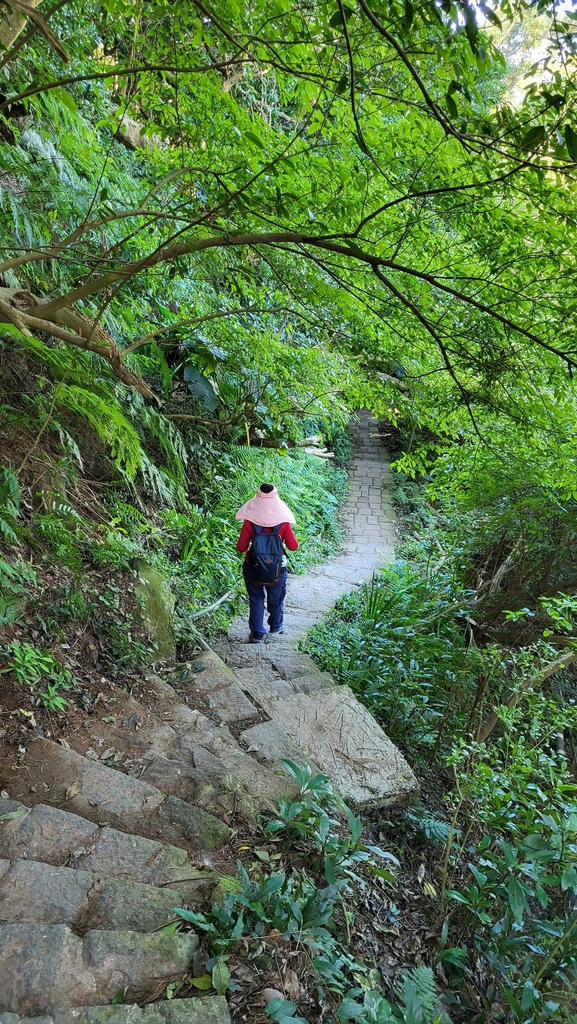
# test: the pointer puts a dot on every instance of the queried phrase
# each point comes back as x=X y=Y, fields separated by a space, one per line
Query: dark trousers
x=274 y=594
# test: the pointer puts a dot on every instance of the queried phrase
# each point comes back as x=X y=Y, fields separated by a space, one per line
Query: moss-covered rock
x=157 y=604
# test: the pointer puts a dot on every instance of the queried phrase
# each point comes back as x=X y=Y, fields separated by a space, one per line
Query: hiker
x=266 y=532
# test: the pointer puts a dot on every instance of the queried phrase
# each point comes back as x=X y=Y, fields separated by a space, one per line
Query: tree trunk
x=12 y=24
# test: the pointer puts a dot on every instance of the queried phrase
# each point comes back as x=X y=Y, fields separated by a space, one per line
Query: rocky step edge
x=51 y=773
x=62 y=839
x=43 y=966
x=180 y=750
x=208 y=1010
x=32 y=892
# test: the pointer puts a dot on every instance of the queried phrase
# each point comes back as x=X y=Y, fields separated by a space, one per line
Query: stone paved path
x=330 y=727
x=369 y=521
x=98 y=838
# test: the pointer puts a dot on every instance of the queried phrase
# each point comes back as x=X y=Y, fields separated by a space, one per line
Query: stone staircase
x=97 y=850
x=103 y=834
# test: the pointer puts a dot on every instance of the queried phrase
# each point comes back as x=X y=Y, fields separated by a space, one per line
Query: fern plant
x=10 y=499
x=14 y=578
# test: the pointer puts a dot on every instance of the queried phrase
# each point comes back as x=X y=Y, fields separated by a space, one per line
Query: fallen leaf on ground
x=291 y=985
x=269 y=993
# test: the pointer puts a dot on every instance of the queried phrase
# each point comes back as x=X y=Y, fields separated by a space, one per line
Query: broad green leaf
x=533 y=138
x=571 y=141
x=203 y=983
x=337 y=21
x=517 y=899
x=220 y=977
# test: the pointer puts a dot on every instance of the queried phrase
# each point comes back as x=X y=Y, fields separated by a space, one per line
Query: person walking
x=266 y=532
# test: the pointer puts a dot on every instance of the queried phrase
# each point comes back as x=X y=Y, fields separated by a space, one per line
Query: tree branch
x=41 y=24
x=116 y=73
x=487 y=727
x=11 y=53
x=110 y=352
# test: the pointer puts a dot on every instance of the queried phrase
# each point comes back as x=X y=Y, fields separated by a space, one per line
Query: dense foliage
x=224 y=227
x=418 y=646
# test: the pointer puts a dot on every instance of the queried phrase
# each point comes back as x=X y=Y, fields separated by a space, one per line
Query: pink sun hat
x=266 y=509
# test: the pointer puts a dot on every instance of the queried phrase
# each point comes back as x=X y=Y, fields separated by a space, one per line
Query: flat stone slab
x=208 y=1010
x=106 y=796
x=217 y=759
x=339 y=735
x=312 y=682
x=207 y=674
x=45 y=966
x=230 y=704
x=57 y=837
x=270 y=744
x=263 y=683
x=239 y=655
x=38 y=893
x=290 y=664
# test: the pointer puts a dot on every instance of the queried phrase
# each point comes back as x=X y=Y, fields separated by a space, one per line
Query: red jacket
x=247 y=533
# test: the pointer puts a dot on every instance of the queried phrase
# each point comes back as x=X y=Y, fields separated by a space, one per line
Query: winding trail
x=329 y=726
x=102 y=834
x=369 y=523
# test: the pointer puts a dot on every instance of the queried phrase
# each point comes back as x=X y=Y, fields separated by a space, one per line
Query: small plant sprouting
x=35 y=668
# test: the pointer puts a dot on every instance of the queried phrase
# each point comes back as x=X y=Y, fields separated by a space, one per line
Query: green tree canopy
x=351 y=173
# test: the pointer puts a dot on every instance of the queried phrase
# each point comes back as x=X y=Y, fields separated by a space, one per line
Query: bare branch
x=41 y=23
x=110 y=352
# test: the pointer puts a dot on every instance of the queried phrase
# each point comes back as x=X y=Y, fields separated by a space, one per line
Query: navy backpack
x=266 y=555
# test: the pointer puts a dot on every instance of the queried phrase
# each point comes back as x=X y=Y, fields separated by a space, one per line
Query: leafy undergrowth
x=459 y=918
x=489 y=857
x=302 y=935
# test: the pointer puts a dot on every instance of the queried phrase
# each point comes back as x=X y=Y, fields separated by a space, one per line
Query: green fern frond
x=69 y=444
x=109 y=423
x=160 y=482
x=419 y=994
x=167 y=436
x=10 y=499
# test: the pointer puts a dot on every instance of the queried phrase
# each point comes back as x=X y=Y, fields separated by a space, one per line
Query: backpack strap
x=273 y=529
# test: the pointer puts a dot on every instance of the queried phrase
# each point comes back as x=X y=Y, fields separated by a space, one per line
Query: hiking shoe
x=256 y=638
x=275 y=632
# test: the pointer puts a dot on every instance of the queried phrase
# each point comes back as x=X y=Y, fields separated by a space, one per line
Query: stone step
x=60 y=838
x=263 y=684
x=218 y=757
x=206 y=750
x=338 y=734
x=221 y=794
x=39 y=893
x=108 y=797
x=270 y=744
x=291 y=664
x=207 y=1010
x=213 y=682
x=45 y=966
x=147 y=745
x=312 y=682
